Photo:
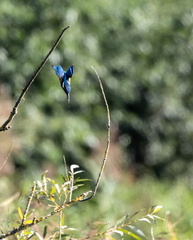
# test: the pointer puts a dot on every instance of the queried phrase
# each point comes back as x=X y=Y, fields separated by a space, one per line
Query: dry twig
x=5 y=126
x=108 y=139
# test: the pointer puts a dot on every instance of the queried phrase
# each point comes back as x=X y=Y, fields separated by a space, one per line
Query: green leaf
x=53 y=190
x=39 y=184
x=62 y=220
x=107 y=236
x=28 y=221
x=137 y=231
x=119 y=232
x=45 y=231
x=57 y=188
x=134 y=214
x=121 y=220
x=20 y=212
x=130 y=234
x=152 y=217
x=144 y=220
x=72 y=167
x=43 y=176
x=77 y=186
x=156 y=209
x=77 y=172
x=28 y=232
x=82 y=180
x=52 y=198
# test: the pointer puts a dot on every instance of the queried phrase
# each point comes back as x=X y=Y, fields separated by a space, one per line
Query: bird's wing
x=69 y=72
x=59 y=71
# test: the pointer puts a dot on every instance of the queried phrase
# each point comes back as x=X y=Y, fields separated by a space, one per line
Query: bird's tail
x=68 y=98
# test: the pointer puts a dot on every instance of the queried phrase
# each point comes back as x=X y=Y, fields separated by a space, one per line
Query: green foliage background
x=142 y=51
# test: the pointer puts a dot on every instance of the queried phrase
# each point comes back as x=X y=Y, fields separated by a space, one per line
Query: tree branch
x=108 y=140
x=5 y=126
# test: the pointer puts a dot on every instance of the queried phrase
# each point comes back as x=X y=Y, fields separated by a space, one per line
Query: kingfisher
x=64 y=78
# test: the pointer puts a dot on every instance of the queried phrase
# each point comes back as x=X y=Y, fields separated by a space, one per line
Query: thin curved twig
x=5 y=126
x=108 y=140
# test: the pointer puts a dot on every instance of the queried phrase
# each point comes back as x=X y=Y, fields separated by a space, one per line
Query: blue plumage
x=70 y=72
x=64 y=77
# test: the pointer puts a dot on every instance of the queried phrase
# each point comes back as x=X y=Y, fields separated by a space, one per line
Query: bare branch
x=108 y=140
x=5 y=126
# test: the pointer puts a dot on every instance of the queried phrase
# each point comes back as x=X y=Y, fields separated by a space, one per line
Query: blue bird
x=64 y=77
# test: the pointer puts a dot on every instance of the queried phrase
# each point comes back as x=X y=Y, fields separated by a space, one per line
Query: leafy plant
x=55 y=197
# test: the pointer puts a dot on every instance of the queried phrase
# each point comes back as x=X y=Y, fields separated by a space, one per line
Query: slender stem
x=28 y=204
x=7 y=157
x=60 y=230
x=25 y=89
x=108 y=140
x=71 y=185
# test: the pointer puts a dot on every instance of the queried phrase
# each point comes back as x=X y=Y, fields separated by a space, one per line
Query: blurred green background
x=143 y=52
